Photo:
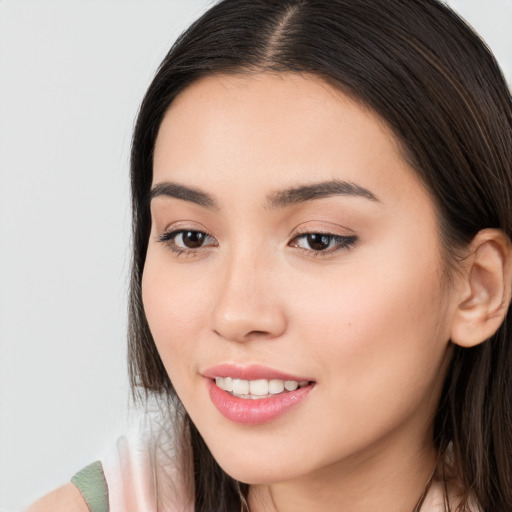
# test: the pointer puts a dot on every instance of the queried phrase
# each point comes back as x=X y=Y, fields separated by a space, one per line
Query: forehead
x=272 y=130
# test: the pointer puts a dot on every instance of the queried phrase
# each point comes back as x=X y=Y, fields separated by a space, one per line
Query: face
x=294 y=256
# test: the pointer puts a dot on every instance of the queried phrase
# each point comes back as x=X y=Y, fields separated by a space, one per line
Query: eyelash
x=341 y=242
x=168 y=239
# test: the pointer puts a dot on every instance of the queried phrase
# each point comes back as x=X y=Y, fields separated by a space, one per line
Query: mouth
x=254 y=395
x=258 y=389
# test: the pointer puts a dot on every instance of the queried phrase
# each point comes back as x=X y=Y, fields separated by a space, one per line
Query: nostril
x=254 y=334
x=258 y=334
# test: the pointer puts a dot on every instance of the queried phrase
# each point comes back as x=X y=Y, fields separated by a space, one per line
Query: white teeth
x=275 y=386
x=260 y=388
x=240 y=387
x=224 y=383
x=291 y=385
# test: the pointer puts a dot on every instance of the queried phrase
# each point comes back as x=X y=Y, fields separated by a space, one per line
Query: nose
x=248 y=304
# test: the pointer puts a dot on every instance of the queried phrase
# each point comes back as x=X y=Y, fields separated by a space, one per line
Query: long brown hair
x=419 y=67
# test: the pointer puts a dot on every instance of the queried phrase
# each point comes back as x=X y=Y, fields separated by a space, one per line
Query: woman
x=322 y=267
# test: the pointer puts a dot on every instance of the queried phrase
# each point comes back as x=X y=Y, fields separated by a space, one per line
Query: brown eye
x=191 y=239
x=315 y=241
x=318 y=242
x=182 y=240
x=323 y=242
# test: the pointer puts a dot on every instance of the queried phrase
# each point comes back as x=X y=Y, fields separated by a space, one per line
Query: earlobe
x=485 y=292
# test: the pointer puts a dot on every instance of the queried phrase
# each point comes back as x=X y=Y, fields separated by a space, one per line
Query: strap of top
x=92 y=485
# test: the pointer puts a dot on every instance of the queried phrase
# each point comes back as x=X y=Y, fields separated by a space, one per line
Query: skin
x=369 y=323
x=65 y=499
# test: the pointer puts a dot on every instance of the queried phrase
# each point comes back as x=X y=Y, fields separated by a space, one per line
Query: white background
x=72 y=74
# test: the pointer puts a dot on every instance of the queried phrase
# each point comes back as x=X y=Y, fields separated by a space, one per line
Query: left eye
x=321 y=242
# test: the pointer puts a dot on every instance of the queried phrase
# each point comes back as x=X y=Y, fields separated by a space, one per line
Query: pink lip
x=252 y=372
x=246 y=411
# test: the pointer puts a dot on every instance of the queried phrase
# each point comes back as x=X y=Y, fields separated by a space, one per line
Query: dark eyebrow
x=193 y=195
x=318 y=191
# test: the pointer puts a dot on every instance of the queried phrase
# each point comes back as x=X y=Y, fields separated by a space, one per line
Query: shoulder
x=64 y=499
x=87 y=492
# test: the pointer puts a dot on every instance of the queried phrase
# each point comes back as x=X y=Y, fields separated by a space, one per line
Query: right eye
x=186 y=240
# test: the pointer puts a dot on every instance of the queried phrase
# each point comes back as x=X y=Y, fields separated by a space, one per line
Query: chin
x=253 y=474
x=257 y=466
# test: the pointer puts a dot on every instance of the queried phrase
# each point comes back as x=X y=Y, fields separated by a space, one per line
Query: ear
x=485 y=290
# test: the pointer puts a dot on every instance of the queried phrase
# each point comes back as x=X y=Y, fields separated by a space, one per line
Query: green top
x=92 y=485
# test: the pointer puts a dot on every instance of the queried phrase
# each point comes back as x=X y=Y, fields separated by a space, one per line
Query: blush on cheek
x=173 y=321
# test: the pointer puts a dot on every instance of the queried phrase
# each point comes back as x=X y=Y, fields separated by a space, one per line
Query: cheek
x=368 y=300
x=379 y=336
x=176 y=310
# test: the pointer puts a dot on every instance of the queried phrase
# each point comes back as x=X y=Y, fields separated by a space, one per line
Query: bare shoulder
x=65 y=499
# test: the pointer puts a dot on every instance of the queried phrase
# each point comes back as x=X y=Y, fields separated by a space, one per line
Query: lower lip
x=247 y=411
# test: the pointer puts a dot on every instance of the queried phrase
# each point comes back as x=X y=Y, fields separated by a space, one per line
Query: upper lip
x=250 y=372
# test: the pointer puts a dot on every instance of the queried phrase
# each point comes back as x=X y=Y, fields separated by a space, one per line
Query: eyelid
x=184 y=224
x=321 y=228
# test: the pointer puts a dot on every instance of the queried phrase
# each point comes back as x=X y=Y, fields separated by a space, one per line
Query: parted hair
x=426 y=73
